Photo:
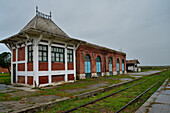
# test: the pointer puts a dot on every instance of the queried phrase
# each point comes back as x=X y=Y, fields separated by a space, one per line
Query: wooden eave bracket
x=77 y=45
x=22 y=40
x=28 y=38
x=39 y=39
x=51 y=41
x=9 y=46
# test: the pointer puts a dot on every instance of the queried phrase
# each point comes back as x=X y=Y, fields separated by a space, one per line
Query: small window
x=30 y=53
x=43 y=53
x=69 y=55
x=57 y=54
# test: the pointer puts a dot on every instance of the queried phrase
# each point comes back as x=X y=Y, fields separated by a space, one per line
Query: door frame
x=98 y=63
x=111 y=71
x=118 y=66
x=88 y=66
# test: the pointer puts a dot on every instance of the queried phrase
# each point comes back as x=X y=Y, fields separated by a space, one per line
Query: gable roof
x=43 y=24
x=135 y=61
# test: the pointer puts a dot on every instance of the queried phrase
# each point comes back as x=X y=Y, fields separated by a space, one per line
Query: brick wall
x=30 y=66
x=70 y=66
x=57 y=78
x=30 y=80
x=14 y=55
x=43 y=66
x=21 y=67
x=21 y=54
x=83 y=50
x=57 y=66
x=21 y=79
x=70 y=77
x=43 y=79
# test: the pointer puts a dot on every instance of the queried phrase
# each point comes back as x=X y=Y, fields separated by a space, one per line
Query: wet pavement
x=3 y=87
x=89 y=87
x=125 y=79
x=162 y=102
x=140 y=74
x=159 y=102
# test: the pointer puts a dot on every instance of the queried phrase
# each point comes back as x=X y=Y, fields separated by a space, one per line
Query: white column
x=74 y=58
x=26 y=59
x=16 y=63
x=66 y=75
x=12 y=67
x=49 y=62
x=35 y=63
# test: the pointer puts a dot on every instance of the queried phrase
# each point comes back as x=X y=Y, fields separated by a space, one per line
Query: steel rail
x=73 y=109
x=138 y=96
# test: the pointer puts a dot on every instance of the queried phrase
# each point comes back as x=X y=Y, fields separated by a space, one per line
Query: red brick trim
x=21 y=54
x=30 y=66
x=43 y=66
x=43 y=79
x=70 y=66
x=21 y=67
x=57 y=78
x=30 y=80
x=14 y=55
x=57 y=66
x=21 y=79
x=70 y=77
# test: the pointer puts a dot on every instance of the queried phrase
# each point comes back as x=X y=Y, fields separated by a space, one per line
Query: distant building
x=43 y=54
x=4 y=70
x=132 y=65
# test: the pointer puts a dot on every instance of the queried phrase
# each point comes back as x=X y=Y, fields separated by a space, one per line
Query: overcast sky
x=140 y=28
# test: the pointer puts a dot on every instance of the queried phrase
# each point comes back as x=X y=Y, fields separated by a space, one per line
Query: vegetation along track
x=116 y=100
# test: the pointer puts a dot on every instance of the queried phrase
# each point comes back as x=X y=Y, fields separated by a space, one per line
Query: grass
x=58 y=90
x=147 y=69
x=115 y=102
x=7 y=97
x=5 y=78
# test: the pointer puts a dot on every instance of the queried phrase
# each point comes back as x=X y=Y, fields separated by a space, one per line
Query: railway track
x=133 y=100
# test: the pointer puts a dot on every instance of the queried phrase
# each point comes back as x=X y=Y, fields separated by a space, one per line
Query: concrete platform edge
x=146 y=105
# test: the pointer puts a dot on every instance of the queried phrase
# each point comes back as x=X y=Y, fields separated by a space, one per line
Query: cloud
x=141 y=28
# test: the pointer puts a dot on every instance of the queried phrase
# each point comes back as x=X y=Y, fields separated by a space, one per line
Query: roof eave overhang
x=33 y=31
x=103 y=48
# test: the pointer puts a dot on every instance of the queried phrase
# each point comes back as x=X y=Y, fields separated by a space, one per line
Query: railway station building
x=43 y=54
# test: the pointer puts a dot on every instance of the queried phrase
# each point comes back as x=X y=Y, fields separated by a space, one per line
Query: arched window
x=110 y=66
x=87 y=66
x=118 y=66
x=98 y=65
x=123 y=66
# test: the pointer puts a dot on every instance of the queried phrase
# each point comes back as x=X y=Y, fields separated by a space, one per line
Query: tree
x=5 y=60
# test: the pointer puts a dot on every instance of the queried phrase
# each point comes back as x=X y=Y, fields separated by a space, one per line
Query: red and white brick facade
x=38 y=72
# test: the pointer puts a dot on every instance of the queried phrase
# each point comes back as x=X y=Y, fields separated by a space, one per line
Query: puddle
x=3 y=87
x=125 y=79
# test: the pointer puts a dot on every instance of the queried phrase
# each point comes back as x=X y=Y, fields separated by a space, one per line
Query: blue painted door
x=98 y=66
x=123 y=66
x=118 y=66
x=110 y=66
x=87 y=66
